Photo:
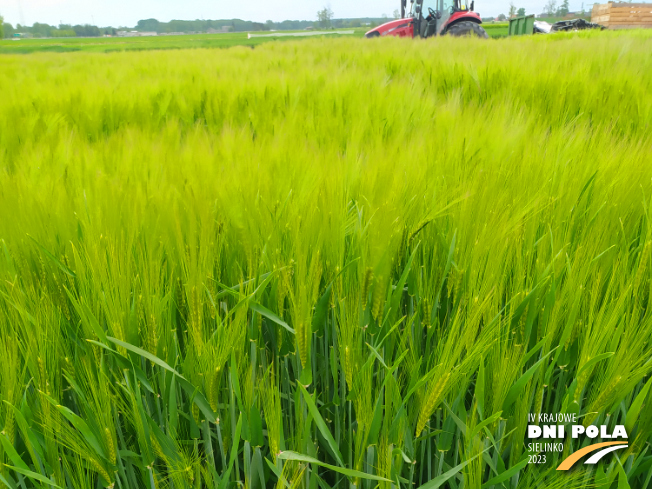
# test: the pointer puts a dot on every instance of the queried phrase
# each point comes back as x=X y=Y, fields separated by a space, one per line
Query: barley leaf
x=321 y=424
x=33 y=475
x=289 y=455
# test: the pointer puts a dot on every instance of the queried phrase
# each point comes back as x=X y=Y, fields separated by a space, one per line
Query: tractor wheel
x=467 y=29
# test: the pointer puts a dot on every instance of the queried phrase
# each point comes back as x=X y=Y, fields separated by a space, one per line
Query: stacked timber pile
x=622 y=15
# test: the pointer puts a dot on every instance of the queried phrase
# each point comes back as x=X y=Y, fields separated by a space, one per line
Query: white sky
x=128 y=12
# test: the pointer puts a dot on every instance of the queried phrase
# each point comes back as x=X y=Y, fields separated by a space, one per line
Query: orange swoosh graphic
x=570 y=461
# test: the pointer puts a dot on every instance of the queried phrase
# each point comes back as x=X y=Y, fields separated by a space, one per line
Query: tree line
x=324 y=20
x=62 y=30
x=550 y=10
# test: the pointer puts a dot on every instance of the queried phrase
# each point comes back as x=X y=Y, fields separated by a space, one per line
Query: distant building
x=136 y=34
x=222 y=30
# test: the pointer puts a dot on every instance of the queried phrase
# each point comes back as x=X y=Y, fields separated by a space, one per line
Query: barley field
x=117 y=44
x=188 y=41
x=325 y=263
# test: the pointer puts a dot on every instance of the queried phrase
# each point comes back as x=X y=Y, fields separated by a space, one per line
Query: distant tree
x=324 y=17
x=397 y=14
x=2 y=27
x=269 y=25
x=520 y=12
x=86 y=30
x=41 y=30
x=512 y=10
x=257 y=26
x=563 y=8
x=148 y=25
x=62 y=33
x=9 y=30
x=551 y=8
x=502 y=17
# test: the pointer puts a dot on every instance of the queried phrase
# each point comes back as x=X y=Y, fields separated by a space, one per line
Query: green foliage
x=64 y=44
x=563 y=8
x=324 y=263
x=324 y=17
x=148 y=25
x=8 y=30
x=86 y=30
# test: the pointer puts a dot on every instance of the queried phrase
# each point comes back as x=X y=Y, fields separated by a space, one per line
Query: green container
x=521 y=25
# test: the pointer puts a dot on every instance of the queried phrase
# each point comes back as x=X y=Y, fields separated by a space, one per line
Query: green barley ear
x=195 y=412
x=378 y=296
x=153 y=335
x=431 y=401
x=302 y=342
x=45 y=385
x=62 y=302
x=213 y=388
x=366 y=284
x=140 y=309
x=348 y=371
x=110 y=446
x=316 y=270
x=99 y=468
x=602 y=401
x=156 y=447
x=180 y=296
x=272 y=410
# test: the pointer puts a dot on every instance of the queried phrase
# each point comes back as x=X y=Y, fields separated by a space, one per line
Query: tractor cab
x=435 y=18
x=426 y=24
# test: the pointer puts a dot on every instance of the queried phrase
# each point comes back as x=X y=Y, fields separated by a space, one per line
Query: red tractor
x=452 y=17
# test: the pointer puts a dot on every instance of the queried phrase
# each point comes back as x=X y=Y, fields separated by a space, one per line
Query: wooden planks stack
x=623 y=15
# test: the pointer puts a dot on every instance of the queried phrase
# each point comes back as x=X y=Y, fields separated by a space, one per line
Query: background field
x=112 y=44
x=273 y=267
x=103 y=44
